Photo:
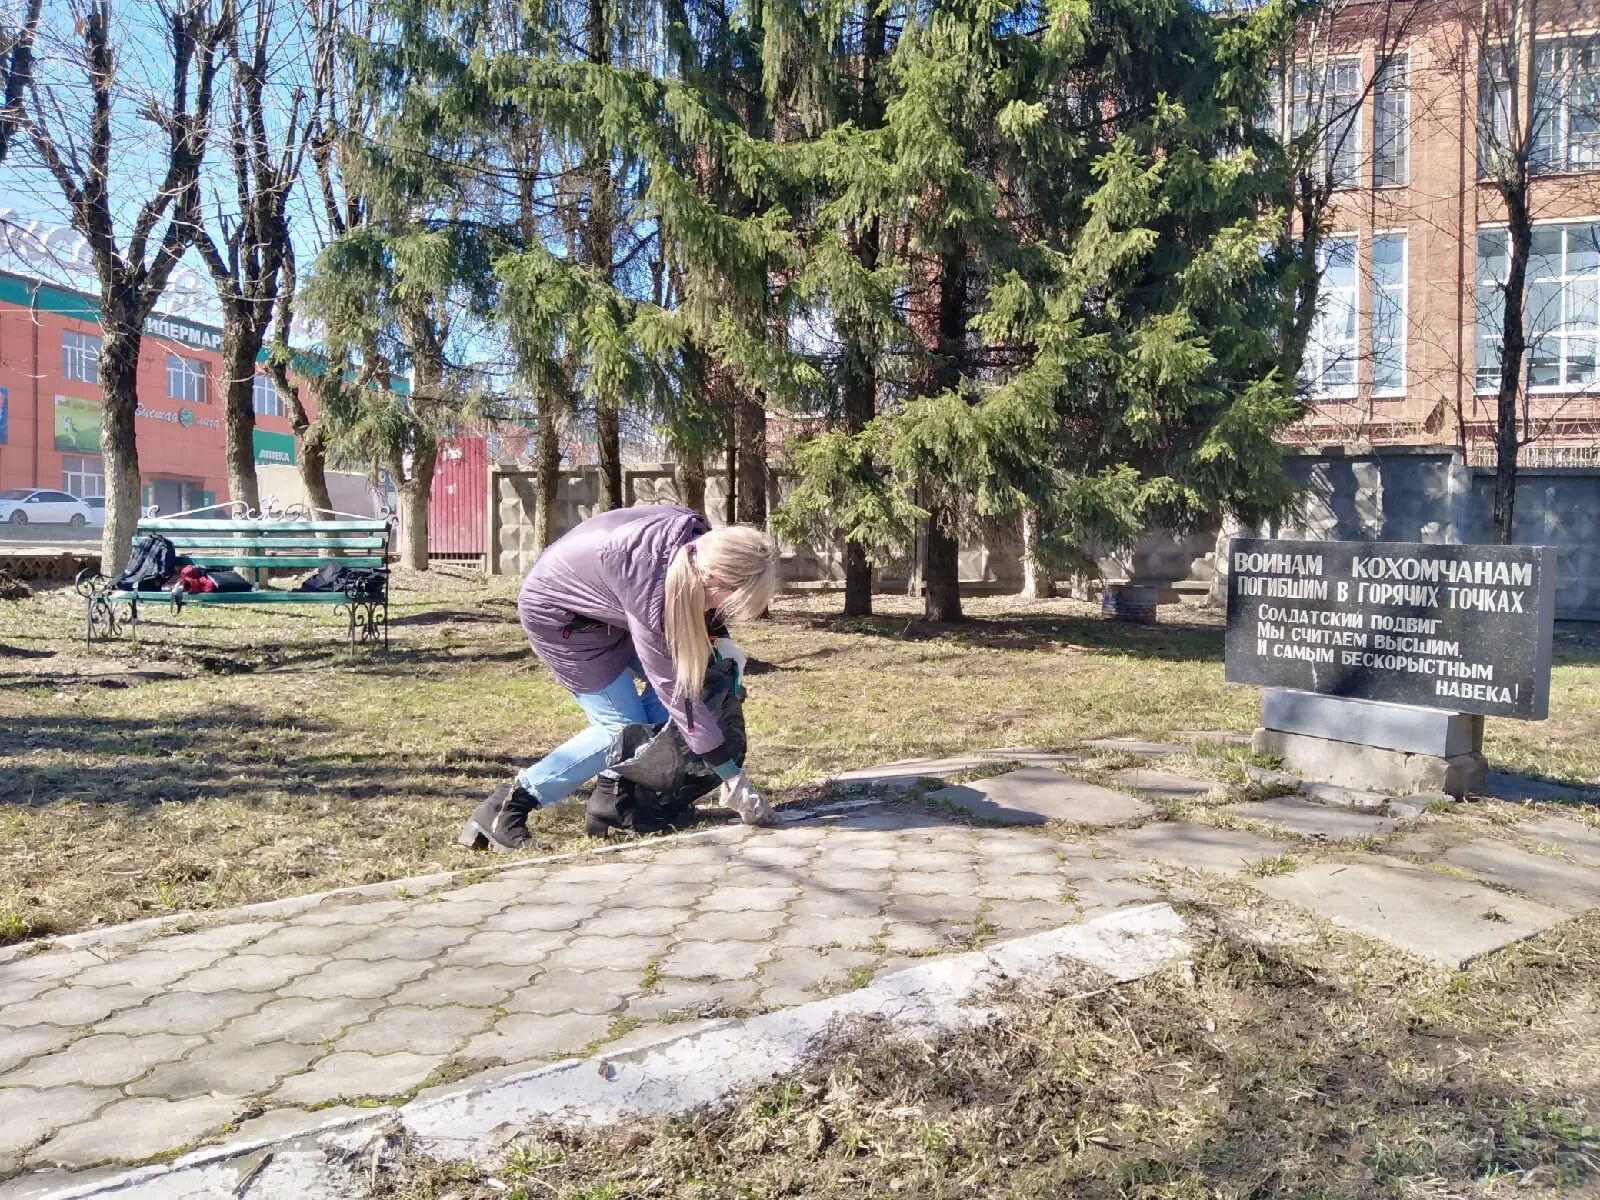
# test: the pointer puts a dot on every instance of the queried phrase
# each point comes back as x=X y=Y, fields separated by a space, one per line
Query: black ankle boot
x=606 y=809
x=501 y=822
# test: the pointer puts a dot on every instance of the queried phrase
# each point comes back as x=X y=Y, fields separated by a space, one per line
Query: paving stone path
x=123 y=1046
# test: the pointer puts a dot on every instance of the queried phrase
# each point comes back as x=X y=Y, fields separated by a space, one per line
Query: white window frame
x=1318 y=351
x=186 y=379
x=1303 y=104
x=1562 y=159
x=1489 y=386
x=1552 y=153
x=80 y=356
x=264 y=398
x=1401 y=291
x=83 y=475
x=1401 y=94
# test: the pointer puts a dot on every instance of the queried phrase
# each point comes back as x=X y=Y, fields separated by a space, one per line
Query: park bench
x=235 y=537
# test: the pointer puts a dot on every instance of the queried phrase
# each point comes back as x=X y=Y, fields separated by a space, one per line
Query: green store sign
x=272 y=449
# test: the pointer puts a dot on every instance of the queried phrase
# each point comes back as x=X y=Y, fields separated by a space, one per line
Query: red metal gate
x=457 y=520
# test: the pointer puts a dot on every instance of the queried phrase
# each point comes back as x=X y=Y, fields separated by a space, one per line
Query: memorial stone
x=1386 y=656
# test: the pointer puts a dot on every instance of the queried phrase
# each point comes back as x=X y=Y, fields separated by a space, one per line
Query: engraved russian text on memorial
x=1462 y=628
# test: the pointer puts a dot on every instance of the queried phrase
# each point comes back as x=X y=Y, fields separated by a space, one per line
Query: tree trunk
x=1508 y=440
x=239 y=350
x=942 y=597
x=119 y=368
x=599 y=252
x=1036 y=581
x=860 y=396
x=414 y=494
x=311 y=440
x=607 y=437
x=752 y=452
x=857 y=581
x=860 y=383
x=942 y=580
x=314 y=467
x=547 y=461
x=689 y=477
x=729 y=509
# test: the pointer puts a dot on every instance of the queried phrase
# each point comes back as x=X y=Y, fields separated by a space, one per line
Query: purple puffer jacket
x=612 y=569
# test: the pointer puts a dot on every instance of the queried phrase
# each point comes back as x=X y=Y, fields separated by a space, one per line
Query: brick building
x=1413 y=100
x=50 y=401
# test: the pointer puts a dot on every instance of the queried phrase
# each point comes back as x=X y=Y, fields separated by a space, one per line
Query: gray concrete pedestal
x=1379 y=747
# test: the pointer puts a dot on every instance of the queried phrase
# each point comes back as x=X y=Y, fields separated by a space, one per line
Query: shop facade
x=50 y=401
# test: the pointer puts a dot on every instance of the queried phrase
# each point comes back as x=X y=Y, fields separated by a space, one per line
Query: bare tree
x=1321 y=91
x=69 y=115
x=1538 y=114
x=311 y=436
x=16 y=58
x=250 y=250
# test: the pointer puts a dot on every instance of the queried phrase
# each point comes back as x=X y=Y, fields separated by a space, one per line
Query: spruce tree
x=1080 y=229
x=657 y=129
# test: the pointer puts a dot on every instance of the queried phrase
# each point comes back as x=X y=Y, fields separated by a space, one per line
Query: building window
x=1566 y=105
x=1562 y=311
x=1329 y=97
x=1329 y=371
x=80 y=357
x=1389 y=314
x=1566 y=108
x=1391 y=115
x=82 y=476
x=186 y=379
x=264 y=397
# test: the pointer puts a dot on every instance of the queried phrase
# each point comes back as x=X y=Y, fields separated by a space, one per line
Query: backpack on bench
x=154 y=561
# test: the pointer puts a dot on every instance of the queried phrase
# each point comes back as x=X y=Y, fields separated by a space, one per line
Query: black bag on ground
x=660 y=778
x=154 y=562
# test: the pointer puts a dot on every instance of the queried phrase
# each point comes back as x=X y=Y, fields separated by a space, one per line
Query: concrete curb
x=942 y=996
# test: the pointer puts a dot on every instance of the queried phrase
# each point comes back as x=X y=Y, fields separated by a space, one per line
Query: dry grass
x=239 y=755
x=1318 y=1066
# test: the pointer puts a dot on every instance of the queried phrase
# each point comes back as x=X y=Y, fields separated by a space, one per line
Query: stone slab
x=1163 y=785
x=1316 y=820
x=1349 y=764
x=1035 y=795
x=1551 y=881
x=908 y=772
x=1437 y=917
x=1371 y=723
x=1028 y=757
x=1517 y=788
x=1572 y=838
x=1213 y=737
x=1359 y=799
x=1200 y=847
x=1129 y=745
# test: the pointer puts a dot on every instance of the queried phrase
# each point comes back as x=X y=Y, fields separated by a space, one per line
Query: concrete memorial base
x=1366 y=744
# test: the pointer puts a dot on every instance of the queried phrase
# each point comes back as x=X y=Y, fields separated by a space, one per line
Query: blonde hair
x=740 y=558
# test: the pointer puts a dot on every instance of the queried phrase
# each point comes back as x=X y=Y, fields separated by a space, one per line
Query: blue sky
x=33 y=210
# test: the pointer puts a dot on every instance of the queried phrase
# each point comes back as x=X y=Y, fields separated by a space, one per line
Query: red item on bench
x=194 y=579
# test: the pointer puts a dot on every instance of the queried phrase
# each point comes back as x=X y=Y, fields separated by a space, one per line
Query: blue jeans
x=579 y=759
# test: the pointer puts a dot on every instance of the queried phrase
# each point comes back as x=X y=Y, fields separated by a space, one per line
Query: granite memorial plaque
x=1461 y=628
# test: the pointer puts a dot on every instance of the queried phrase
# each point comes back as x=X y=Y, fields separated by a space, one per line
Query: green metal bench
x=235 y=537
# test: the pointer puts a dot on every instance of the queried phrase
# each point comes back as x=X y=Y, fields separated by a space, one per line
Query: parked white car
x=42 y=506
